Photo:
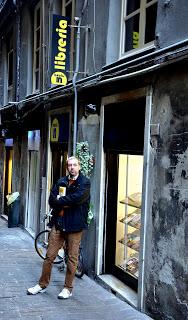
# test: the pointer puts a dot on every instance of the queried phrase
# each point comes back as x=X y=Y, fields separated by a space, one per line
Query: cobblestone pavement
x=20 y=268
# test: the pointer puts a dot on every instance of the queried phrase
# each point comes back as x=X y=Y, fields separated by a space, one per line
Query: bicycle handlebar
x=46 y=215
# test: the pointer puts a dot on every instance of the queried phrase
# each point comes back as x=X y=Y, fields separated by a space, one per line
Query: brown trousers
x=56 y=241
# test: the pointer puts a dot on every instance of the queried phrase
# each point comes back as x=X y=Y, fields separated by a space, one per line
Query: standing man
x=69 y=218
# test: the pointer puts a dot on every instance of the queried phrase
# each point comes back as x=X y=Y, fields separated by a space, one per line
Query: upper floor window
x=68 y=10
x=10 y=66
x=37 y=47
x=138 y=24
x=10 y=62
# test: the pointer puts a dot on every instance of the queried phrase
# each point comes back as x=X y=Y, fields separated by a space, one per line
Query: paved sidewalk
x=20 y=269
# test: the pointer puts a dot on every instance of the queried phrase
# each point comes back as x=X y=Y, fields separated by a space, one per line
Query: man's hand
x=61 y=213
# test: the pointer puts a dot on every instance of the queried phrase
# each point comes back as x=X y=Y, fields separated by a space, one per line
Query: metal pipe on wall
x=74 y=85
x=18 y=50
x=78 y=21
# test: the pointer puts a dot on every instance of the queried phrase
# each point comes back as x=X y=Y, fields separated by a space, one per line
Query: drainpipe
x=78 y=20
x=18 y=49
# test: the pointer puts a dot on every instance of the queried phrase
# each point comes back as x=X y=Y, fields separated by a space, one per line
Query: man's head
x=73 y=166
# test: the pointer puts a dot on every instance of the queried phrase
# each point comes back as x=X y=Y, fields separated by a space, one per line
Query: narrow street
x=20 y=268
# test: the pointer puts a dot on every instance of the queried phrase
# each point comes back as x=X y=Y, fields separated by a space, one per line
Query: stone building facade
x=129 y=102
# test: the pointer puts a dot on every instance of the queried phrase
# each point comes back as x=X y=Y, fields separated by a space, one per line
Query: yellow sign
x=135 y=39
x=60 y=50
x=54 y=134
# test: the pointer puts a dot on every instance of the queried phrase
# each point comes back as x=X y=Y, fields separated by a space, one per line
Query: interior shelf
x=131 y=240
x=133 y=220
x=131 y=266
x=129 y=204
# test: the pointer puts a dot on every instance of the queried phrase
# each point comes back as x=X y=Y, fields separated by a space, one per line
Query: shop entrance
x=33 y=192
x=59 y=143
x=59 y=157
x=33 y=188
x=123 y=142
x=8 y=175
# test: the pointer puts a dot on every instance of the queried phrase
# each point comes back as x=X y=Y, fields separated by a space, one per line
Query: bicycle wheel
x=80 y=268
x=41 y=244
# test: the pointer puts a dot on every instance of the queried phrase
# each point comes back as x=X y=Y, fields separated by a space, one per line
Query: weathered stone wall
x=169 y=28
x=88 y=130
x=16 y=165
x=166 y=257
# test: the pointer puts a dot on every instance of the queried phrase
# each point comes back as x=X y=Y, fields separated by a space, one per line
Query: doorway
x=33 y=192
x=59 y=145
x=123 y=144
x=59 y=153
x=8 y=176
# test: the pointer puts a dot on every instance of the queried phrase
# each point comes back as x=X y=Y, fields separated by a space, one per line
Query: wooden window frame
x=142 y=26
x=64 y=5
x=10 y=51
x=37 y=49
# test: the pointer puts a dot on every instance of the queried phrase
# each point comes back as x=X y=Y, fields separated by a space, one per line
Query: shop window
x=129 y=213
x=37 y=47
x=8 y=171
x=138 y=25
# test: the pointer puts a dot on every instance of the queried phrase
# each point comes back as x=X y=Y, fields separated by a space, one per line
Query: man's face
x=73 y=167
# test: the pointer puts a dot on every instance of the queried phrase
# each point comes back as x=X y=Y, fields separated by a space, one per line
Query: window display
x=129 y=213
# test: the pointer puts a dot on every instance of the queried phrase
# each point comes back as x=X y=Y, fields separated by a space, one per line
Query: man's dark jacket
x=75 y=204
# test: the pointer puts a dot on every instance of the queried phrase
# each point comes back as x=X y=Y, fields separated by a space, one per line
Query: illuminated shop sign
x=59 y=131
x=60 y=50
x=54 y=134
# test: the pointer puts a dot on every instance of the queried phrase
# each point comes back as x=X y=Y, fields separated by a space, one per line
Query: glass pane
x=10 y=68
x=132 y=5
x=38 y=38
x=68 y=10
x=129 y=213
x=38 y=17
x=36 y=80
x=37 y=60
x=132 y=33
x=151 y=15
x=10 y=41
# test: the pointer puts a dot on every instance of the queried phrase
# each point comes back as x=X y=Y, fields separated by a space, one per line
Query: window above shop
x=37 y=47
x=10 y=65
x=68 y=10
x=137 y=25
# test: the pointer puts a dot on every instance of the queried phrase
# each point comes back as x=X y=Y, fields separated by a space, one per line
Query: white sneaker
x=65 y=294
x=36 y=289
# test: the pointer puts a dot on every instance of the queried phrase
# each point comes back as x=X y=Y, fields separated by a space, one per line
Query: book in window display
x=132 y=237
x=133 y=240
x=133 y=200
x=131 y=266
x=133 y=219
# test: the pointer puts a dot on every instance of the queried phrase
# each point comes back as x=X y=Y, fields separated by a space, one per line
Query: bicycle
x=41 y=244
